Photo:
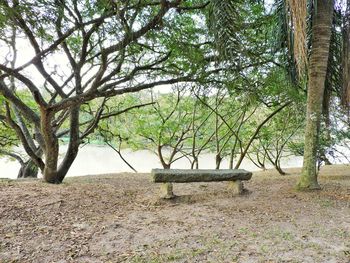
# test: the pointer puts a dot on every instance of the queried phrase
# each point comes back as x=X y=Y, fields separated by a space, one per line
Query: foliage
x=235 y=90
x=82 y=51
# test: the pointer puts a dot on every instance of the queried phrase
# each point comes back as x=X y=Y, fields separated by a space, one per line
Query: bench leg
x=166 y=191
x=236 y=187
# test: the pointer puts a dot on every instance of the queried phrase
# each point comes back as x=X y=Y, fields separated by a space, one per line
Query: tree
x=317 y=71
x=201 y=132
x=83 y=51
x=121 y=113
x=162 y=128
x=346 y=58
x=274 y=139
x=321 y=53
x=10 y=143
x=27 y=166
x=237 y=121
x=319 y=64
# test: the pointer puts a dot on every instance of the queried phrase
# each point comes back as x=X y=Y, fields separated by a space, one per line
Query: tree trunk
x=51 y=148
x=194 y=163
x=261 y=162
x=28 y=170
x=218 y=160
x=321 y=35
x=346 y=59
x=161 y=158
x=279 y=169
x=51 y=160
x=232 y=156
x=51 y=172
x=73 y=146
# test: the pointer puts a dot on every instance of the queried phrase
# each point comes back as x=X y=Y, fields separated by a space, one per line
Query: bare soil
x=119 y=218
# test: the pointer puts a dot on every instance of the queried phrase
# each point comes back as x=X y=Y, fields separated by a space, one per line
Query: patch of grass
x=342 y=233
x=264 y=249
x=6 y=180
x=141 y=259
x=287 y=236
x=175 y=255
x=326 y=203
x=248 y=232
x=280 y=234
x=244 y=230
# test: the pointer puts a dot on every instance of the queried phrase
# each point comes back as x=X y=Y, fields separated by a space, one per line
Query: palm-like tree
x=313 y=55
x=317 y=72
x=346 y=57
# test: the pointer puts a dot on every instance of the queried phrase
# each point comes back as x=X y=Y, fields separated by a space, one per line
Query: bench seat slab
x=201 y=175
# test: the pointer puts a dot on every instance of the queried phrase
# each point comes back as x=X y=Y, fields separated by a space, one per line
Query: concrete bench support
x=236 y=187
x=168 y=176
x=166 y=191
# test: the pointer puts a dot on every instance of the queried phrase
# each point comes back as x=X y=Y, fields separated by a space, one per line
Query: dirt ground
x=119 y=218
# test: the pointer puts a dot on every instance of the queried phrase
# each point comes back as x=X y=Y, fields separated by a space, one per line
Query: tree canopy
x=234 y=74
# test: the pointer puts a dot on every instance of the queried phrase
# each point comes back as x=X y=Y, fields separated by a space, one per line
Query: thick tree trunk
x=51 y=172
x=73 y=147
x=51 y=148
x=51 y=160
x=321 y=35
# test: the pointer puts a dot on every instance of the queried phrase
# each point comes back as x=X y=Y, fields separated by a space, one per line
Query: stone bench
x=168 y=176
